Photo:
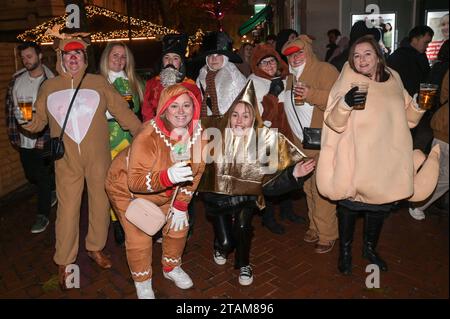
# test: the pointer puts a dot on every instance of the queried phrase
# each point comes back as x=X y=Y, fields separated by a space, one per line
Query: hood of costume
x=168 y=95
x=70 y=43
x=263 y=51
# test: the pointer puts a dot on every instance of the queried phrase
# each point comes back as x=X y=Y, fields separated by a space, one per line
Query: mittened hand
x=179 y=219
x=276 y=87
x=180 y=172
x=353 y=98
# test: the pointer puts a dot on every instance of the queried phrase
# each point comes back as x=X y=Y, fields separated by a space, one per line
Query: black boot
x=268 y=220
x=223 y=238
x=287 y=212
x=346 y=220
x=119 y=234
x=373 y=223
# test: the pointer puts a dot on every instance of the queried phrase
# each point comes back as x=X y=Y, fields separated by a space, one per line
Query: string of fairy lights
x=141 y=29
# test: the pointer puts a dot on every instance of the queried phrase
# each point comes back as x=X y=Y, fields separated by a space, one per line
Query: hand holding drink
x=181 y=171
x=356 y=97
x=300 y=93
x=129 y=98
x=126 y=92
x=26 y=108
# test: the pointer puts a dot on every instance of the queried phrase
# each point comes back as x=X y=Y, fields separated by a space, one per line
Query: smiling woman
x=365 y=60
x=87 y=155
x=150 y=170
x=369 y=180
x=249 y=157
x=74 y=61
x=241 y=119
x=179 y=113
x=365 y=57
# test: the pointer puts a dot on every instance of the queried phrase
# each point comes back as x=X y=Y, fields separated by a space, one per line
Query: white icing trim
x=184 y=190
x=195 y=135
x=148 y=183
x=140 y=274
x=172 y=261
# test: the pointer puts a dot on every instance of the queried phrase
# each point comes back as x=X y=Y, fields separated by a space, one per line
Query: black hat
x=360 y=29
x=175 y=43
x=219 y=43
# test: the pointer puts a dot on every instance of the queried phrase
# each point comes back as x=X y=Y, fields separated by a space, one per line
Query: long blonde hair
x=133 y=77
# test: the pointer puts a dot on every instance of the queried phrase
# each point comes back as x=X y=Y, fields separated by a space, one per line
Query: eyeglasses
x=268 y=62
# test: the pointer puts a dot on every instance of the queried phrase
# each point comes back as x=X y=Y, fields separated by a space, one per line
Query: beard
x=170 y=75
x=32 y=67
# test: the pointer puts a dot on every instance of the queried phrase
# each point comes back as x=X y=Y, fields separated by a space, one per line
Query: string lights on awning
x=140 y=29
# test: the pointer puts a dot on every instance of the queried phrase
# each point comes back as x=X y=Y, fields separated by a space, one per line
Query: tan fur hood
x=264 y=50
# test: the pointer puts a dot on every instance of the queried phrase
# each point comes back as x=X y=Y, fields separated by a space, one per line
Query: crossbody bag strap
x=70 y=107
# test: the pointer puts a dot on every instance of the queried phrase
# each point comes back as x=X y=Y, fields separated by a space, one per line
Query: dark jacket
x=412 y=66
x=282 y=184
x=340 y=60
x=331 y=48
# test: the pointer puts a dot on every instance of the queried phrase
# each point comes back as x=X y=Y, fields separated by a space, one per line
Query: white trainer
x=246 y=275
x=417 y=214
x=219 y=258
x=144 y=289
x=179 y=277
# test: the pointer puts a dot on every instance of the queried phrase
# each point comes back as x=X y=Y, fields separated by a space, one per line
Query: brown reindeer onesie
x=87 y=154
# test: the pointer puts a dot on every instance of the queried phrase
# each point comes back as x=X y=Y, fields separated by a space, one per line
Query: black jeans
x=41 y=174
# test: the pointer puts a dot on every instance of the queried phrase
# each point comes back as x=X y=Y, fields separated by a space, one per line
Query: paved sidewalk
x=284 y=266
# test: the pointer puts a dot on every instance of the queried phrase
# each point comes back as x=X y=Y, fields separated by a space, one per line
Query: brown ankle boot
x=100 y=259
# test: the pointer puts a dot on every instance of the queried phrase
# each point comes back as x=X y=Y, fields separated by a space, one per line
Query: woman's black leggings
x=234 y=231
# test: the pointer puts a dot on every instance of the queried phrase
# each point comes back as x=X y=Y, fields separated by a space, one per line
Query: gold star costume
x=241 y=166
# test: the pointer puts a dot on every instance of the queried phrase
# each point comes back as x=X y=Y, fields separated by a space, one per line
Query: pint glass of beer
x=363 y=88
x=298 y=99
x=427 y=95
x=129 y=98
x=26 y=107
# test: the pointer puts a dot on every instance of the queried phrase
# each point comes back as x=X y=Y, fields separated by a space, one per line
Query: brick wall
x=11 y=173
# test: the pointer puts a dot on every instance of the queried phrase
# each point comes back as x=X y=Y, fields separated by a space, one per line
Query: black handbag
x=54 y=147
x=311 y=135
x=311 y=138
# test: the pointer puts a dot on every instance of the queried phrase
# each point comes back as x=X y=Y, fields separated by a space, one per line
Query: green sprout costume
x=118 y=138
